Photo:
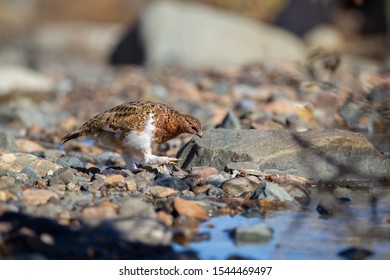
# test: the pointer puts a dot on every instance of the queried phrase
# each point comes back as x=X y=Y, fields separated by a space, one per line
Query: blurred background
x=71 y=59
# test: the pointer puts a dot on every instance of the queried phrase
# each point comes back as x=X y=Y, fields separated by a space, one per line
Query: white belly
x=140 y=140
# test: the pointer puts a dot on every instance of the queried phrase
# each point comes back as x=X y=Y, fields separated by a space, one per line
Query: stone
x=98 y=212
x=238 y=186
x=49 y=210
x=7 y=142
x=140 y=229
x=189 y=208
x=38 y=196
x=171 y=33
x=160 y=191
x=18 y=161
x=254 y=234
x=23 y=79
x=230 y=121
x=63 y=176
x=326 y=154
x=134 y=207
x=274 y=191
x=32 y=175
x=217 y=192
x=172 y=182
x=28 y=146
x=197 y=175
x=114 y=179
x=73 y=162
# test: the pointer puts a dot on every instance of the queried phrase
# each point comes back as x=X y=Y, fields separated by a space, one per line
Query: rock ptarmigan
x=134 y=126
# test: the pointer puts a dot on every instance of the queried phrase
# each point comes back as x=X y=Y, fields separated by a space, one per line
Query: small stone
x=230 y=121
x=38 y=196
x=98 y=212
x=73 y=162
x=238 y=186
x=7 y=142
x=134 y=207
x=114 y=179
x=299 y=193
x=6 y=182
x=142 y=230
x=173 y=182
x=63 y=176
x=254 y=234
x=27 y=146
x=160 y=191
x=201 y=189
x=217 y=192
x=355 y=253
x=215 y=180
x=199 y=174
x=32 y=175
x=49 y=210
x=274 y=191
x=165 y=218
x=189 y=208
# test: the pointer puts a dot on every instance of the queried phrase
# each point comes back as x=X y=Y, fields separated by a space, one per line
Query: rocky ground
x=280 y=135
x=276 y=137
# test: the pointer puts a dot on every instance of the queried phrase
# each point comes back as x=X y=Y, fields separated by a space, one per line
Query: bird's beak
x=200 y=134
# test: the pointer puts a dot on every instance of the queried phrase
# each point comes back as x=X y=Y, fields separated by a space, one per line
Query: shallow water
x=302 y=235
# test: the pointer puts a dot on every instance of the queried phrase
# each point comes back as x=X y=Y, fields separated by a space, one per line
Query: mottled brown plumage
x=134 y=126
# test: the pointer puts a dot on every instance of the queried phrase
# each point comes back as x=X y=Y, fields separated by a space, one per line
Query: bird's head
x=191 y=125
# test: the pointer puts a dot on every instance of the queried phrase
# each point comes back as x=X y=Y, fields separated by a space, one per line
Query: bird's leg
x=149 y=159
x=129 y=159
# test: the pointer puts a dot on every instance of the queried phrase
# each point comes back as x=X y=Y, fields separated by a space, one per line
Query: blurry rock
x=18 y=161
x=173 y=31
x=255 y=234
x=197 y=175
x=144 y=230
x=73 y=162
x=160 y=191
x=32 y=175
x=28 y=146
x=134 y=207
x=7 y=142
x=98 y=212
x=63 y=176
x=24 y=113
x=316 y=154
x=114 y=179
x=189 y=208
x=274 y=191
x=217 y=192
x=230 y=121
x=94 y=39
x=173 y=182
x=239 y=186
x=299 y=193
x=38 y=196
x=14 y=78
x=355 y=253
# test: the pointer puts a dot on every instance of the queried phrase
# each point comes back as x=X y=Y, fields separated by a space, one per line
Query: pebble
x=238 y=186
x=38 y=196
x=217 y=192
x=7 y=142
x=189 y=208
x=161 y=192
x=173 y=182
x=27 y=146
x=63 y=176
x=197 y=175
x=114 y=179
x=73 y=162
x=98 y=212
x=32 y=175
x=134 y=207
x=254 y=234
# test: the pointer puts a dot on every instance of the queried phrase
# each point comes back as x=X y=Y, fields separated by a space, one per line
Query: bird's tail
x=70 y=136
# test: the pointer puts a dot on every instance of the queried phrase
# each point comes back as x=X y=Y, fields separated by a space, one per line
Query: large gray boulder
x=198 y=36
x=327 y=154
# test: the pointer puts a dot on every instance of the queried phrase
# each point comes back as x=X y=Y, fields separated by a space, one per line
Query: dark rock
x=7 y=142
x=318 y=154
x=173 y=182
x=354 y=253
